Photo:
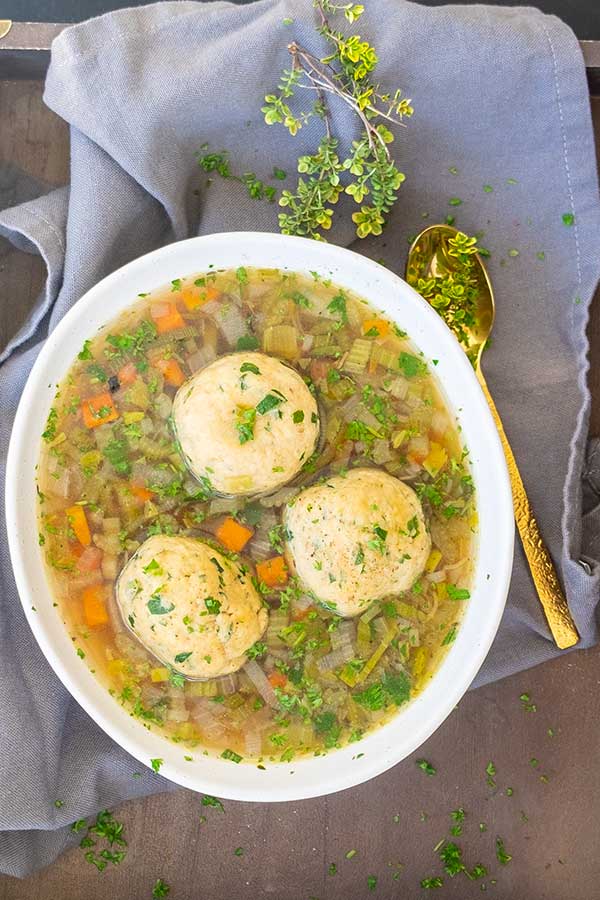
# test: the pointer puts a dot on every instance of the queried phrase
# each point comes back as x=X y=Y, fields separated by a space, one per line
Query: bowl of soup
x=259 y=514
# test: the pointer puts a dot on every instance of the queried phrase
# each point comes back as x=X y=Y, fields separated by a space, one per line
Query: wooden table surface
x=549 y=822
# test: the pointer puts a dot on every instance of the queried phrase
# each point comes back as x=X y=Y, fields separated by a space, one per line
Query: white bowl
x=384 y=747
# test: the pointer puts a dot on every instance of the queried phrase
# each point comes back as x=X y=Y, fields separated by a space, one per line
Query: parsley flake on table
x=426 y=767
x=208 y=800
x=160 y=889
x=568 y=219
x=501 y=855
x=528 y=706
x=372 y=882
x=430 y=883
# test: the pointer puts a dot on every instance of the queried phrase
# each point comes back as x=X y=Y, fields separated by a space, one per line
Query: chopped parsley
x=257 y=650
x=249 y=367
x=157 y=607
x=455 y=593
x=501 y=855
x=269 y=402
x=160 y=889
x=85 y=352
x=208 y=800
x=298 y=416
x=338 y=307
x=411 y=365
x=244 y=423
x=426 y=767
x=212 y=605
x=153 y=568
x=247 y=342
x=231 y=755
x=156 y=764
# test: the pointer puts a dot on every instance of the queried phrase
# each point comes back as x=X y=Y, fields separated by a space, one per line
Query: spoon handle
x=538 y=556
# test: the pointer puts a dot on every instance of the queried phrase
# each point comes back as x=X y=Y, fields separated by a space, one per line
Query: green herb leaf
x=157 y=607
x=269 y=402
x=208 y=800
x=249 y=367
x=426 y=767
x=212 y=605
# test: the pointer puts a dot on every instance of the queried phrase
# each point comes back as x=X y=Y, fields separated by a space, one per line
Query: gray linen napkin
x=500 y=94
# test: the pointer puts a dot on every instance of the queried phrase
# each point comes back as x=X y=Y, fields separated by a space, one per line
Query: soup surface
x=342 y=555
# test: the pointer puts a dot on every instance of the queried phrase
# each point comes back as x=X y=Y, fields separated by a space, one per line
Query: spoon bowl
x=430 y=257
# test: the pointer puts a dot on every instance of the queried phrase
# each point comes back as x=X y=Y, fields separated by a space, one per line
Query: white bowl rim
x=388 y=745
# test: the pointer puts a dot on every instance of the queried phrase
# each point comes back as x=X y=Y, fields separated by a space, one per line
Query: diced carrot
x=168 y=320
x=94 y=606
x=141 y=493
x=194 y=297
x=381 y=326
x=127 y=373
x=98 y=410
x=233 y=535
x=272 y=572
x=277 y=679
x=90 y=560
x=171 y=370
x=78 y=523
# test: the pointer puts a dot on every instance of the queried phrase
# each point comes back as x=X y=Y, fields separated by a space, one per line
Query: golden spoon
x=429 y=257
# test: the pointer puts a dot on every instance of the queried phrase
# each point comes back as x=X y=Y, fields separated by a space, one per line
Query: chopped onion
x=110 y=567
x=381 y=452
x=398 y=388
x=336 y=658
x=177 y=710
x=204 y=716
x=307 y=342
x=253 y=743
x=59 y=487
x=439 y=423
x=163 y=405
x=302 y=602
x=261 y=683
x=343 y=635
x=231 y=322
x=111 y=525
x=349 y=410
x=260 y=547
x=201 y=358
x=227 y=684
x=159 y=310
x=436 y=577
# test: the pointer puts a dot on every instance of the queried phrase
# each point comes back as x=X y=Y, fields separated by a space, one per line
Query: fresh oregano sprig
x=219 y=163
x=368 y=173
